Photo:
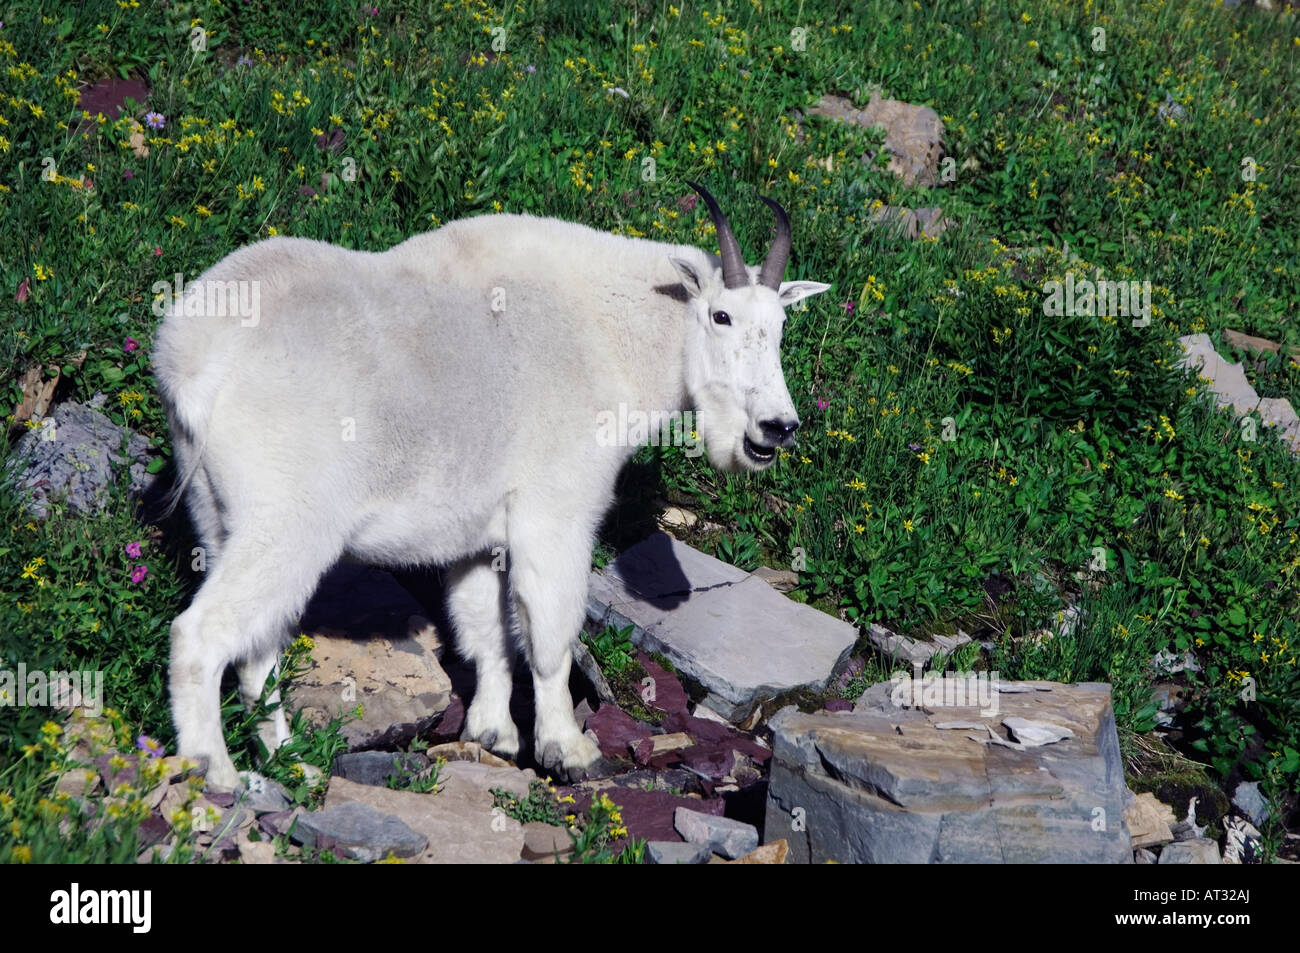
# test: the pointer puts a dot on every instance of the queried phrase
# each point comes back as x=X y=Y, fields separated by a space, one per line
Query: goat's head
x=733 y=347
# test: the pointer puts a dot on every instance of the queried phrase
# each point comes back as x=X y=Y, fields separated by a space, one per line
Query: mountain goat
x=430 y=403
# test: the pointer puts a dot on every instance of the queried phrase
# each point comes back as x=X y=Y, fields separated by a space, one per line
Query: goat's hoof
x=221 y=775
x=500 y=743
x=571 y=758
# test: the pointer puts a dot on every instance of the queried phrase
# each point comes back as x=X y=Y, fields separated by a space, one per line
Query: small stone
x=1143 y=856
x=254 y=852
x=1247 y=799
x=708 y=714
x=1031 y=733
x=1199 y=851
x=782 y=580
x=676 y=852
x=359 y=832
x=773 y=853
x=467 y=751
x=674 y=517
x=724 y=836
x=543 y=841
x=673 y=742
x=262 y=795
x=1149 y=821
x=77 y=782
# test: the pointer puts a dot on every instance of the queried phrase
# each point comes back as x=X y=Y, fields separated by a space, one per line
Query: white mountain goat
x=427 y=404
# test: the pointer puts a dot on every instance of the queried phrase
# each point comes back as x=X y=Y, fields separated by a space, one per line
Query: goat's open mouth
x=759 y=453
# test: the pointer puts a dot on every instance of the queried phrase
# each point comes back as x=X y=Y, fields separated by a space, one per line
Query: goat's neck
x=654 y=347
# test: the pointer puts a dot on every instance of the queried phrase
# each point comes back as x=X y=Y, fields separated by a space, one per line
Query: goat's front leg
x=549 y=565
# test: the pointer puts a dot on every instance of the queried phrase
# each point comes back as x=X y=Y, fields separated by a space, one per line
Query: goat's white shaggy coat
x=468 y=366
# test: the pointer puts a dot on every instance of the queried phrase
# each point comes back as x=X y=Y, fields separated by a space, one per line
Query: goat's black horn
x=734 y=273
x=779 y=254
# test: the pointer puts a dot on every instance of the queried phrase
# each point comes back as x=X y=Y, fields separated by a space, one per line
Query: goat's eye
x=721 y=317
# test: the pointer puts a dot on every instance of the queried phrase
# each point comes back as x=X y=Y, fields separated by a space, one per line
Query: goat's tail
x=188 y=402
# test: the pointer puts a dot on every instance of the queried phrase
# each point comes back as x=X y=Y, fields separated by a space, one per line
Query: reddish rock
x=618 y=732
x=453 y=719
x=669 y=695
x=707 y=732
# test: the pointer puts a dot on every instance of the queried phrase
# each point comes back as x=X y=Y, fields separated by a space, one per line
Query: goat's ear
x=692 y=280
x=792 y=291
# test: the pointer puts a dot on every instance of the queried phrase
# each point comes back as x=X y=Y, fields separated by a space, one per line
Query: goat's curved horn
x=779 y=254
x=734 y=272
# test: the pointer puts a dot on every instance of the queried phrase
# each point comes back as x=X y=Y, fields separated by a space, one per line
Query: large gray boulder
x=720 y=626
x=949 y=783
x=74 y=457
x=373 y=648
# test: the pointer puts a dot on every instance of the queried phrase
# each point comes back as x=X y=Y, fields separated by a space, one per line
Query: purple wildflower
x=150 y=747
x=530 y=68
x=914 y=447
x=133 y=550
x=244 y=61
x=138 y=574
x=128 y=174
x=822 y=404
x=131 y=344
x=155 y=120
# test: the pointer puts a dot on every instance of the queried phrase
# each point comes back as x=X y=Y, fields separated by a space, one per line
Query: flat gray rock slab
x=459 y=822
x=886 y=784
x=721 y=627
x=359 y=832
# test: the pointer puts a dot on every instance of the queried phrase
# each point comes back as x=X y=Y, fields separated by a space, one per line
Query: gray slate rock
x=742 y=641
x=900 y=648
x=883 y=784
x=262 y=795
x=676 y=852
x=75 y=459
x=376 y=767
x=360 y=832
x=1250 y=802
x=721 y=835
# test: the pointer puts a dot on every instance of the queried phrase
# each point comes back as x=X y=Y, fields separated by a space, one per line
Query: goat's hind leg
x=243 y=611
x=478 y=608
x=252 y=680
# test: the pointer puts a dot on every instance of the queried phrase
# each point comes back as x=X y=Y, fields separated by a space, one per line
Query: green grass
x=953 y=433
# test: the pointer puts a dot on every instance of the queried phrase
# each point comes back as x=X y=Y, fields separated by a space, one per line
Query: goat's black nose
x=779 y=432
